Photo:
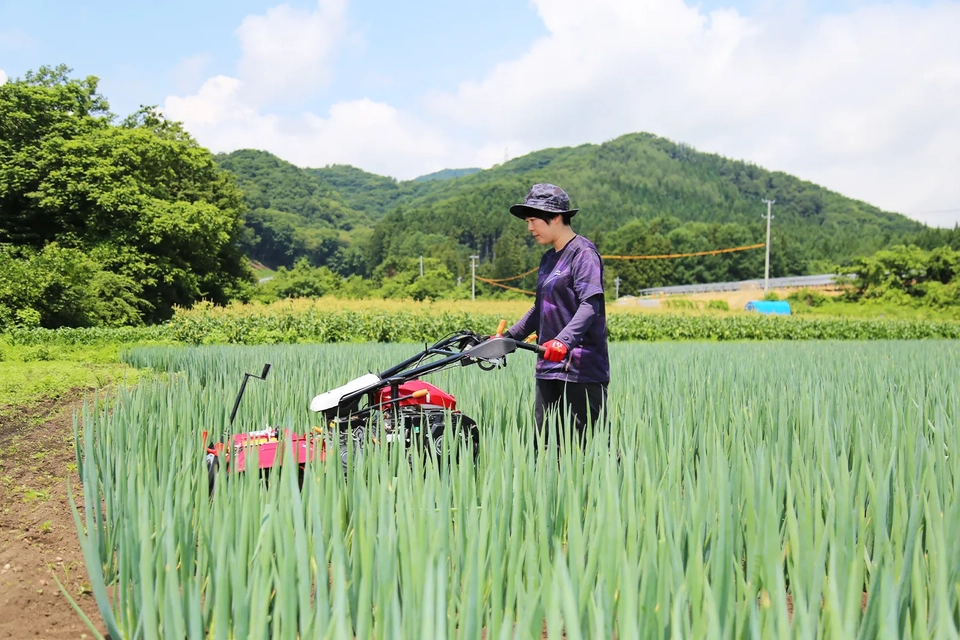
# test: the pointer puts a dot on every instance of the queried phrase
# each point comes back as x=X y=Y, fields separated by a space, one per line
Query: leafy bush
x=291 y=323
x=906 y=275
x=210 y=327
x=720 y=305
x=808 y=297
x=679 y=303
x=63 y=287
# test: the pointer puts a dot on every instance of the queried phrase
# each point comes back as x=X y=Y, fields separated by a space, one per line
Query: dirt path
x=38 y=537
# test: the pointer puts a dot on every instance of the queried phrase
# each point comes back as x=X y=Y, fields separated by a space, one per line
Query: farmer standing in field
x=568 y=315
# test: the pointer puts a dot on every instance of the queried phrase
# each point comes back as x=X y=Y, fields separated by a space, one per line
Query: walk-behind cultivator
x=393 y=407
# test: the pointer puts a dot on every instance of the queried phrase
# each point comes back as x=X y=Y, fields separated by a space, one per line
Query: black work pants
x=584 y=401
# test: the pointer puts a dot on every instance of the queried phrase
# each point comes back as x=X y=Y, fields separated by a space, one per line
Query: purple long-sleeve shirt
x=570 y=307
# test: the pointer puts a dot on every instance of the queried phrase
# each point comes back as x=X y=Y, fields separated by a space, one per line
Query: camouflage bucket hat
x=543 y=200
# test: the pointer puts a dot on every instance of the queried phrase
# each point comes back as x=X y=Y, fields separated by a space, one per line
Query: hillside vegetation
x=117 y=222
x=638 y=194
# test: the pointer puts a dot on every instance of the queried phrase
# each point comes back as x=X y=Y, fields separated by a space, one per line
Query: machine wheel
x=343 y=447
x=461 y=427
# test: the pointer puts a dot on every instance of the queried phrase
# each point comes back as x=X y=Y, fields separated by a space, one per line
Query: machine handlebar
x=538 y=348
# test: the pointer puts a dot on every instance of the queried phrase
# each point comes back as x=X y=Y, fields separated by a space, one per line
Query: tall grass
x=748 y=491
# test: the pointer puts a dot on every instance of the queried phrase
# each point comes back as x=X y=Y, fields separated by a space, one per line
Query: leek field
x=748 y=490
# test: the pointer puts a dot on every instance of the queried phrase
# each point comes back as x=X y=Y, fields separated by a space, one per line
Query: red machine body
x=435 y=396
x=266 y=448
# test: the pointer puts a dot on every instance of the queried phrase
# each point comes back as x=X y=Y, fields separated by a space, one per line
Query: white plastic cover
x=330 y=399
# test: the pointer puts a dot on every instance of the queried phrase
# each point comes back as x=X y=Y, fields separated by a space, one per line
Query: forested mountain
x=446 y=174
x=638 y=194
x=365 y=191
x=291 y=213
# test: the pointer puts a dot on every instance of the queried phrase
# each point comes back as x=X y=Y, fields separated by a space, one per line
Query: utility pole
x=473 y=277
x=766 y=269
x=616 y=284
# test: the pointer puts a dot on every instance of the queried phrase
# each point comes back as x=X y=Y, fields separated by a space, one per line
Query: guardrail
x=821 y=280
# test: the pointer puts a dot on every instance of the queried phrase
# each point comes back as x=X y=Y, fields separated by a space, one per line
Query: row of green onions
x=742 y=491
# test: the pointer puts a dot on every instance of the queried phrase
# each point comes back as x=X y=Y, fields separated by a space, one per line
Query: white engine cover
x=330 y=399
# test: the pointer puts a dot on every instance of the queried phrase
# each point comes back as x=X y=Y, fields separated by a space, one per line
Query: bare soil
x=38 y=537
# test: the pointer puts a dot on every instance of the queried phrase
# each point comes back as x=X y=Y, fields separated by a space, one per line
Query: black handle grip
x=532 y=347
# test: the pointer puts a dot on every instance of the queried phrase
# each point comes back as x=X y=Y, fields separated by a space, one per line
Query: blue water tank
x=779 y=307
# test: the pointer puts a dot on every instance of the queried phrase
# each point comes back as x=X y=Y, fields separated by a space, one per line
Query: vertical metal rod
x=473 y=277
x=766 y=269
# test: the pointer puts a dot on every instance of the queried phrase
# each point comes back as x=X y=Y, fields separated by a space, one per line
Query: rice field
x=757 y=490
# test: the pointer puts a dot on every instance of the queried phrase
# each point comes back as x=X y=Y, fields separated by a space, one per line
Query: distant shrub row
x=316 y=325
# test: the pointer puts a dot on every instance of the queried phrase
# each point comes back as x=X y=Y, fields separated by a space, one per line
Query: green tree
x=302 y=281
x=638 y=238
x=63 y=287
x=142 y=198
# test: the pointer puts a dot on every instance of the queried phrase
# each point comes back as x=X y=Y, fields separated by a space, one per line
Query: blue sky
x=396 y=52
x=858 y=96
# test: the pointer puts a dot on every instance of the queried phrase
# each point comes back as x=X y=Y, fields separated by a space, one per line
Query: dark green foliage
x=139 y=200
x=63 y=287
x=292 y=214
x=268 y=182
x=808 y=297
x=931 y=238
x=907 y=275
x=393 y=279
x=367 y=192
x=302 y=281
x=641 y=194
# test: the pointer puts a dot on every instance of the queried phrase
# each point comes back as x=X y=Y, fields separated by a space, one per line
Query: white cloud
x=190 y=73
x=364 y=133
x=863 y=102
x=287 y=51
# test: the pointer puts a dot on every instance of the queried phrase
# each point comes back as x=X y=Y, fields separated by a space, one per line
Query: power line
x=505 y=286
x=519 y=275
x=710 y=252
